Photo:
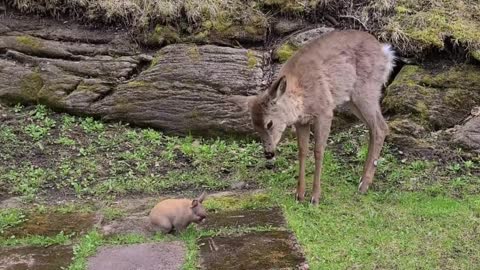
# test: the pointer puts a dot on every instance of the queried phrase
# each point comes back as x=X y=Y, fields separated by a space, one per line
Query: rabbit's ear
x=202 y=197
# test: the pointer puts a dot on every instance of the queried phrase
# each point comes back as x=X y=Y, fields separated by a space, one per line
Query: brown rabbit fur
x=177 y=214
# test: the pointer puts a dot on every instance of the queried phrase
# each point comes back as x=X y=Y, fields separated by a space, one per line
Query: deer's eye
x=270 y=124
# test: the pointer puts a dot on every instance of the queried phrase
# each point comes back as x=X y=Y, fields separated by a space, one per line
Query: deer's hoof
x=314 y=201
x=362 y=187
x=299 y=198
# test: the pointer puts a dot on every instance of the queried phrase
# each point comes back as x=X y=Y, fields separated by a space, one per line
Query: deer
x=339 y=68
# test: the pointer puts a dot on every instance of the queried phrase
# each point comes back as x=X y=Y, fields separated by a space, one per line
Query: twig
x=356 y=19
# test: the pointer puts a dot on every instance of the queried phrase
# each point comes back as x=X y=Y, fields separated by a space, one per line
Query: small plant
x=36 y=132
x=40 y=112
x=18 y=108
x=110 y=213
x=152 y=136
x=7 y=135
x=65 y=141
x=10 y=218
x=68 y=121
x=89 y=125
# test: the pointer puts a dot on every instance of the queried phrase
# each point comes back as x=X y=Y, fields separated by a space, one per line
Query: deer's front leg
x=303 y=133
x=322 y=130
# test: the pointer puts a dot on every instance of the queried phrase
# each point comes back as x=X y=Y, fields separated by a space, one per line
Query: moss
x=284 y=52
x=402 y=9
x=232 y=25
x=28 y=41
x=290 y=6
x=475 y=54
x=460 y=99
x=31 y=85
x=194 y=53
x=251 y=60
x=419 y=25
x=137 y=84
x=461 y=76
x=422 y=109
x=164 y=35
x=158 y=56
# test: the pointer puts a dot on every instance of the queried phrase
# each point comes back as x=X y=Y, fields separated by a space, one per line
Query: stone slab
x=38 y=258
x=153 y=256
x=256 y=250
x=245 y=218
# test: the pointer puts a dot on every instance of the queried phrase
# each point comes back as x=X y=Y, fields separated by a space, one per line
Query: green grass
x=36 y=240
x=10 y=218
x=419 y=214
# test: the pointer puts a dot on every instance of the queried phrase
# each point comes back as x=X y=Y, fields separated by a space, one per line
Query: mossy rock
x=32 y=43
x=30 y=86
x=163 y=35
x=290 y=6
x=295 y=42
x=284 y=52
x=418 y=25
x=225 y=28
x=476 y=55
x=436 y=98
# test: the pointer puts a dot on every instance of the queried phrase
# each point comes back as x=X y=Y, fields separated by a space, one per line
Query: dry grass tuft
x=412 y=26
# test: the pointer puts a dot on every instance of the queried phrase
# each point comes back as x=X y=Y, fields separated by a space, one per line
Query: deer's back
x=332 y=66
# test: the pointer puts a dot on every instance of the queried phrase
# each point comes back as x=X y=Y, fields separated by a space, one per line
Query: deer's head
x=269 y=114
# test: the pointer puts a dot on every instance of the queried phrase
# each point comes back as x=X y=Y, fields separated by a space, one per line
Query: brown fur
x=341 y=67
x=177 y=214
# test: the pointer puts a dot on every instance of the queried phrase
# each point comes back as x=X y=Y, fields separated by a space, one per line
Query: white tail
x=390 y=54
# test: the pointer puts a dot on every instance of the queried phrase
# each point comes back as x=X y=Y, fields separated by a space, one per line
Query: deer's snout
x=269 y=155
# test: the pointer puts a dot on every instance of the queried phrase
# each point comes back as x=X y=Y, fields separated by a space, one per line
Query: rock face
x=423 y=100
x=436 y=98
x=468 y=134
x=183 y=88
x=180 y=89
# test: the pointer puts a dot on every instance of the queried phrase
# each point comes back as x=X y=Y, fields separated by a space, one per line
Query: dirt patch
x=38 y=258
x=257 y=250
x=51 y=224
x=159 y=256
x=134 y=224
x=245 y=218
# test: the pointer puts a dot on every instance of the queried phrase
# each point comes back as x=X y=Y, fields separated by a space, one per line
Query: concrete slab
x=152 y=256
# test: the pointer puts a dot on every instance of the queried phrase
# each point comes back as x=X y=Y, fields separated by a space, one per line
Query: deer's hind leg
x=366 y=106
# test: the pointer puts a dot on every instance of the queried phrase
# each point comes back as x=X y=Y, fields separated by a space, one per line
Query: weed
x=91 y=126
x=37 y=240
x=36 y=132
x=110 y=213
x=10 y=218
x=7 y=135
x=65 y=141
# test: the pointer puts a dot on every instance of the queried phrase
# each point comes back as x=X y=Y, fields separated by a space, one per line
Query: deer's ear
x=277 y=89
x=243 y=102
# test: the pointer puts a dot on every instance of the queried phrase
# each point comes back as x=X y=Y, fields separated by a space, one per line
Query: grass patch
x=10 y=218
x=36 y=240
x=386 y=231
x=416 y=208
x=249 y=201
